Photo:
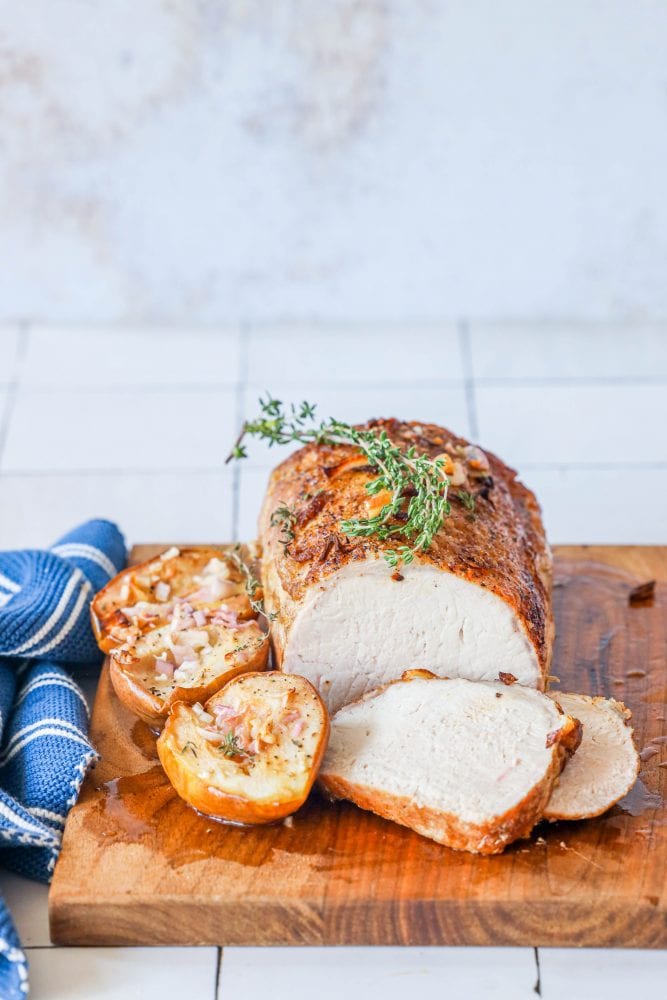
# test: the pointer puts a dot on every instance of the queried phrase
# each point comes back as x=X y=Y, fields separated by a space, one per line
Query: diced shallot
x=226 y=712
x=164 y=670
x=162 y=591
x=212 y=735
x=186 y=672
x=200 y=618
x=293 y=716
x=201 y=713
x=143 y=610
x=215 y=590
x=182 y=652
x=197 y=638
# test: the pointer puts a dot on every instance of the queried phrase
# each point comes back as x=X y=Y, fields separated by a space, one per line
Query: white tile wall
x=189 y=506
x=335 y=356
x=568 y=351
x=4 y=399
x=252 y=487
x=126 y=357
x=122 y=973
x=121 y=429
x=9 y=351
x=602 y=974
x=574 y=424
x=165 y=161
x=393 y=973
x=583 y=420
x=28 y=904
x=602 y=506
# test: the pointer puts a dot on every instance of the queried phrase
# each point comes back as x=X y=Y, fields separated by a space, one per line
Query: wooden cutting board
x=140 y=867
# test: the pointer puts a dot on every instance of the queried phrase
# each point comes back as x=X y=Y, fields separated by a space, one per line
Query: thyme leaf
x=467 y=499
x=252 y=584
x=286 y=518
x=230 y=747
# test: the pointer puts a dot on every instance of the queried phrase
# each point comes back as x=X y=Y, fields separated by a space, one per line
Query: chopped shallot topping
x=144 y=610
x=185 y=674
x=214 y=590
x=255 y=729
x=216 y=567
x=182 y=653
x=162 y=591
x=201 y=713
x=223 y=712
x=458 y=476
x=164 y=670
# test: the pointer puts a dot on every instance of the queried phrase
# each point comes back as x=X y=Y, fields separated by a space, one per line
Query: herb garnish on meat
x=418 y=484
x=286 y=518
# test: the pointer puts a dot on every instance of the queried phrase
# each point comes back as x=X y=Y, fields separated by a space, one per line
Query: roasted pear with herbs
x=252 y=752
x=144 y=597
x=179 y=627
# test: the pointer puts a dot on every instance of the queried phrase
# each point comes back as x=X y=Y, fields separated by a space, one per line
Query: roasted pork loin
x=475 y=604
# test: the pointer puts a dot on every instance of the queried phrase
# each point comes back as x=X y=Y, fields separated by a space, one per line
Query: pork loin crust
x=444 y=828
x=476 y=603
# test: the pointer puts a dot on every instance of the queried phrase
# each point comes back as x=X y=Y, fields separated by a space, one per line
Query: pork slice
x=468 y=764
x=606 y=765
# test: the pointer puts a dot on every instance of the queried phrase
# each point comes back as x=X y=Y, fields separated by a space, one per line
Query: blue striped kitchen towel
x=45 y=753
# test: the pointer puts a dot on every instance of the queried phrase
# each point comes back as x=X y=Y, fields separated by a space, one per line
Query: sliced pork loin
x=476 y=603
x=469 y=764
x=606 y=765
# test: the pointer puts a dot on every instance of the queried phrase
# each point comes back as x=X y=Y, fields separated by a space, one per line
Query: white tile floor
x=135 y=425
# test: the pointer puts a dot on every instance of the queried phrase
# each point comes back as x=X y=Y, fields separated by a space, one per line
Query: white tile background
x=134 y=425
x=202 y=161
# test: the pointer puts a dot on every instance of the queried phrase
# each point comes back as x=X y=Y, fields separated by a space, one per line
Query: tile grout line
x=218 y=971
x=244 y=353
x=468 y=377
x=13 y=387
x=537 y=988
x=46 y=389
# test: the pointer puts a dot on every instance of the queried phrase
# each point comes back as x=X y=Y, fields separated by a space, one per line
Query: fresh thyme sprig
x=252 y=584
x=418 y=503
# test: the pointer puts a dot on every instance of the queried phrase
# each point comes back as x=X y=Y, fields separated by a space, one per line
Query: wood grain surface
x=140 y=867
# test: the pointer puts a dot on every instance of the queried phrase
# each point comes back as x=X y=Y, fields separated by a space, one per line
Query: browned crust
x=487 y=838
x=503 y=548
x=213 y=801
x=153 y=710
